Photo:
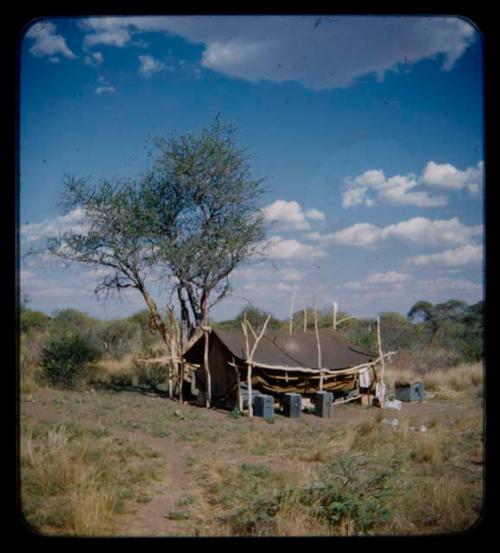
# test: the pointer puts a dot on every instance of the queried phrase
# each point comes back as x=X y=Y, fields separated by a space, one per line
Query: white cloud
x=149 y=66
x=372 y=186
x=93 y=59
x=390 y=277
x=402 y=296
x=289 y=215
x=315 y=214
x=280 y=248
x=47 y=42
x=318 y=52
x=457 y=257
x=105 y=89
x=447 y=176
x=74 y=221
x=111 y=31
x=417 y=230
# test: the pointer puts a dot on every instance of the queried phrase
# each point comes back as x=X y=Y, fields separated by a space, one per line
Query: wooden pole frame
x=249 y=356
x=382 y=365
x=318 y=345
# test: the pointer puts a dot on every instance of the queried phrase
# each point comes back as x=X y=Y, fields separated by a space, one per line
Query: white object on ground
x=392 y=404
x=394 y=423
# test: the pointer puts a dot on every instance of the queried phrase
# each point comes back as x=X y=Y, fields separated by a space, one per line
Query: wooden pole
x=249 y=360
x=305 y=314
x=207 y=370
x=318 y=345
x=291 y=309
x=334 y=315
x=249 y=366
x=382 y=362
x=238 y=384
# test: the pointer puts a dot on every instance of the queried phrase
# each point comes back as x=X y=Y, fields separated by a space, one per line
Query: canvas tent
x=281 y=363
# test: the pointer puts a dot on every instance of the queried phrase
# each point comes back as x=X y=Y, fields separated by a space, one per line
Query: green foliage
x=66 y=360
x=343 y=494
x=119 y=337
x=151 y=375
x=31 y=320
x=194 y=215
x=452 y=325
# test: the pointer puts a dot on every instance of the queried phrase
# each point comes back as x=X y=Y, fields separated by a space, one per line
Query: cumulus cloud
x=447 y=176
x=149 y=66
x=73 y=221
x=111 y=31
x=418 y=230
x=372 y=186
x=393 y=279
x=318 y=52
x=315 y=214
x=280 y=248
x=290 y=215
x=456 y=257
x=47 y=42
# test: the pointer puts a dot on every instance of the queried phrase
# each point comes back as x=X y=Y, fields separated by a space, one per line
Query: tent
x=281 y=363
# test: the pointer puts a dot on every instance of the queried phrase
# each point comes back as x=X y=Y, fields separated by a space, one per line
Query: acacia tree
x=201 y=195
x=193 y=218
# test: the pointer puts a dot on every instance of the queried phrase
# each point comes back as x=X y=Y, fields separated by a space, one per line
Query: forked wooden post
x=249 y=355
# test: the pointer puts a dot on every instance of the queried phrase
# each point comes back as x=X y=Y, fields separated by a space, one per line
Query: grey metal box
x=244 y=397
x=264 y=406
x=413 y=391
x=323 y=404
x=292 y=405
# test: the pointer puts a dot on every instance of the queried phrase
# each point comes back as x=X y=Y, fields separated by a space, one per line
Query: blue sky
x=367 y=130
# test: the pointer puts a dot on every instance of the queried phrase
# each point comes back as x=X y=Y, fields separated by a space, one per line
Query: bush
x=33 y=320
x=66 y=360
x=116 y=338
x=151 y=375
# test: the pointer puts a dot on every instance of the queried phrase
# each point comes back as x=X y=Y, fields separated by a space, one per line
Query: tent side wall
x=223 y=376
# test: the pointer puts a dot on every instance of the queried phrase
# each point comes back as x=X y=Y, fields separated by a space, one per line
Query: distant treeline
x=442 y=334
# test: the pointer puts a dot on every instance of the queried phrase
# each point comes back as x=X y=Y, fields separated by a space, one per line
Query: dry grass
x=462 y=378
x=426 y=448
x=451 y=382
x=437 y=505
x=434 y=477
x=73 y=481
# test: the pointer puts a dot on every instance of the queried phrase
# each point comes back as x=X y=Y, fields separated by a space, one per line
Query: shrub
x=66 y=360
x=33 y=320
x=116 y=338
x=151 y=374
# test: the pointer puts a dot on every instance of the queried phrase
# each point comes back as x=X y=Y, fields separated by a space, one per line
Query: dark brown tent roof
x=296 y=350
